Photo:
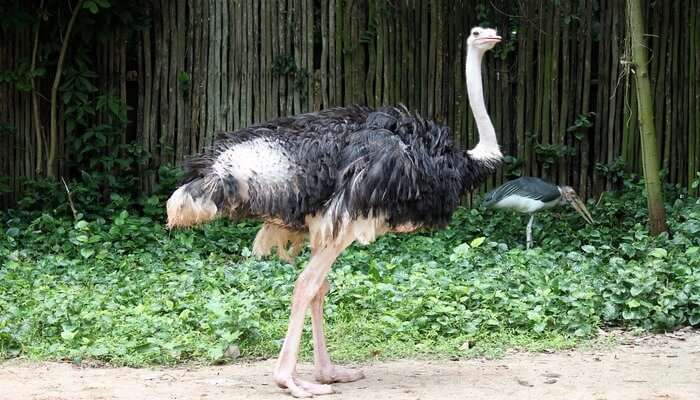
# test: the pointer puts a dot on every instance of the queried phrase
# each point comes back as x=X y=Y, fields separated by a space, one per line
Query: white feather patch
x=524 y=205
x=486 y=152
x=262 y=158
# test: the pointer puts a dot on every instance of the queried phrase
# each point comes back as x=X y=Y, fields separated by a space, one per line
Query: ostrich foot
x=302 y=389
x=338 y=374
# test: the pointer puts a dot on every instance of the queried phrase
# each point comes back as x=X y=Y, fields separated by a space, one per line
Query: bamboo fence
x=558 y=88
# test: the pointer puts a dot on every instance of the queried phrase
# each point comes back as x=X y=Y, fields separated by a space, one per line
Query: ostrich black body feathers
x=349 y=162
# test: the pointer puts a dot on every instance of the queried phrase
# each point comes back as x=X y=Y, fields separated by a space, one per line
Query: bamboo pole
x=324 y=55
x=657 y=213
x=36 y=116
x=694 y=98
x=52 y=167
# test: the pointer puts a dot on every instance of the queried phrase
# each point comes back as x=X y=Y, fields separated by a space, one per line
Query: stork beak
x=580 y=208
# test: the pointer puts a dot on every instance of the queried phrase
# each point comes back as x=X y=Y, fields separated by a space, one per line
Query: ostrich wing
x=529 y=187
x=397 y=174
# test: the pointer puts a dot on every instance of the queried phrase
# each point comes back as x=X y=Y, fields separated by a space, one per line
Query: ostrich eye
x=475 y=33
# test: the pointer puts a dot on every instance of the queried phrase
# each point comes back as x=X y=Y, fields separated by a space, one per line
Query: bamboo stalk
x=52 y=167
x=564 y=166
x=693 y=96
x=164 y=105
x=588 y=20
x=338 y=33
x=402 y=50
x=39 y=163
x=333 y=95
x=612 y=85
x=657 y=213
x=324 y=55
x=198 y=79
x=226 y=70
x=297 y=40
x=379 y=54
x=554 y=113
x=248 y=59
x=311 y=91
x=425 y=40
x=171 y=61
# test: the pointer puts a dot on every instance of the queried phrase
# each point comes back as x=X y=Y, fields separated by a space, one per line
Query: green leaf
x=533 y=315
x=81 y=225
x=694 y=319
x=13 y=232
x=632 y=303
x=68 y=333
x=477 y=242
x=90 y=5
x=630 y=315
x=539 y=327
x=86 y=252
x=588 y=248
x=658 y=253
x=217 y=352
x=460 y=252
x=692 y=251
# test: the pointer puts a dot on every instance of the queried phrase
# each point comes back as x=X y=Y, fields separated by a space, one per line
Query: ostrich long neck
x=487 y=148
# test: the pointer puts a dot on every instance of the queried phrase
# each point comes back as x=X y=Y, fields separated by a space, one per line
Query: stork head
x=483 y=39
x=568 y=195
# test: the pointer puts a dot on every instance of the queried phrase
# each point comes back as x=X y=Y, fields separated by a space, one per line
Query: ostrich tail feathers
x=194 y=203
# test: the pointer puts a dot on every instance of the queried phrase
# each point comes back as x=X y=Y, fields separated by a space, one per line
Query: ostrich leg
x=306 y=288
x=325 y=372
x=529 y=231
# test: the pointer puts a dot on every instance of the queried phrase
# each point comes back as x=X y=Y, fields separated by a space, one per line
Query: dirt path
x=653 y=368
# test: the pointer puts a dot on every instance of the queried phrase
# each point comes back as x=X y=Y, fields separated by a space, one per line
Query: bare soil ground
x=658 y=367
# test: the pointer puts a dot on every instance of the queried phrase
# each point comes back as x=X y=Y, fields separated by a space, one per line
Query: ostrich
x=529 y=195
x=340 y=175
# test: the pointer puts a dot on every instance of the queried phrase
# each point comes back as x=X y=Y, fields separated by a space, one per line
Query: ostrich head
x=483 y=38
x=569 y=196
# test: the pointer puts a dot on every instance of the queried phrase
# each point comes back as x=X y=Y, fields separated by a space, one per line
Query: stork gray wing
x=530 y=187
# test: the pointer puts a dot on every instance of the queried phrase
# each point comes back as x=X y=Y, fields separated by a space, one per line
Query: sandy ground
x=659 y=367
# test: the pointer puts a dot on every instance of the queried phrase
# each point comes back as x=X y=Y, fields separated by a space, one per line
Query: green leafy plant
x=615 y=171
x=550 y=153
x=21 y=76
x=513 y=166
x=284 y=66
x=94 y=6
x=581 y=124
x=117 y=286
x=184 y=81
x=7 y=130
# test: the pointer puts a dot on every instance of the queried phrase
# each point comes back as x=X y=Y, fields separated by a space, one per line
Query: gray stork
x=529 y=195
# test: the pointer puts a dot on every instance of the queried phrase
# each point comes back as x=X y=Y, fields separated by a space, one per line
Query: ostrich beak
x=580 y=208
x=491 y=39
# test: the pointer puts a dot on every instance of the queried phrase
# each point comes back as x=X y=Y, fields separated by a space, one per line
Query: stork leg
x=325 y=372
x=529 y=231
x=306 y=288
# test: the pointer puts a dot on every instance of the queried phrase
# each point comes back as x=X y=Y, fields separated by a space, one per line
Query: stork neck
x=487 y=148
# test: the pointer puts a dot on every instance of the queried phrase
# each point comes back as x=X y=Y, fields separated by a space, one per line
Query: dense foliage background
x=116 y=286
